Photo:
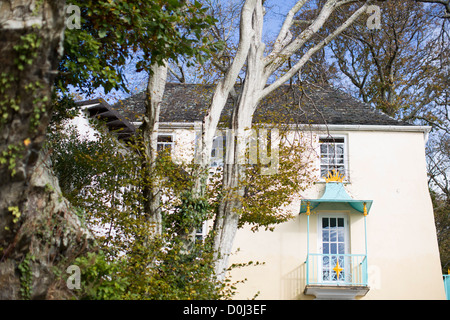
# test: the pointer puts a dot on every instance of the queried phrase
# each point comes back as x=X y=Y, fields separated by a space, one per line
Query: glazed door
x=334 y=248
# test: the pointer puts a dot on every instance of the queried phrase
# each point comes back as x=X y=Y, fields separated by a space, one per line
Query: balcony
x=336 y=276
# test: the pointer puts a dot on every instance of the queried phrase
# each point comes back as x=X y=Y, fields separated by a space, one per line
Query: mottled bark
x=259 y=69
x=152 y=195
x=38 y=229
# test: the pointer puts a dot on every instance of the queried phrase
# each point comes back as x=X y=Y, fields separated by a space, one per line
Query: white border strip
x=323 y=127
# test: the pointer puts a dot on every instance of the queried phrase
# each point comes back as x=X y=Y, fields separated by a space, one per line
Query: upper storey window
x=332 y=155
x=165 y=142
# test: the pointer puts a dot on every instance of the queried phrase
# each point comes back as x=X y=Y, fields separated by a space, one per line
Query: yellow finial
x=308 y=212
x=365 y=209
x=334 y=176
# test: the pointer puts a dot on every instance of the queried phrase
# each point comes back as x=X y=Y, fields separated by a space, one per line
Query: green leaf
x=102 y=33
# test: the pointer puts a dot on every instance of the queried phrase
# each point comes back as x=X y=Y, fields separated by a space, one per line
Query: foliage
x=190 y=213
x=27 y=51
x=103 y=179
x=266 y=196
x=112 y=32
x=98 y=176
x=10 y=156
x=101 y=279
x=399 y=68
x=166 y=270
x=438 y=164
x=26 y=278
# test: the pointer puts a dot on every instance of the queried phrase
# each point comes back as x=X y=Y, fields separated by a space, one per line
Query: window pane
x=341 y=248
x=332 y=222
x=340 y=222
x=331 y=140
x=324 y=223
x=330 y=160
x=164 y=138
x=326 y=248
x=341 y=234
x=333 y=248
x=331 y=149
x=333 y=261
x=325 y=236
x=333 y=235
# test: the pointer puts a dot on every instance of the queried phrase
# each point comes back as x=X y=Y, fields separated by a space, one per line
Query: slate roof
x=288 y=105
x=308 y=105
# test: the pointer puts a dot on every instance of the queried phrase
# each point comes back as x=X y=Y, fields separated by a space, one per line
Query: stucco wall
x=388 y=168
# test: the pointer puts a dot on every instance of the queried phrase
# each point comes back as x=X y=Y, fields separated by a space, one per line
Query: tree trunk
x=152 y=196
x=224 y=226
x=227 y=218
x=38 y=229
x=259 y=69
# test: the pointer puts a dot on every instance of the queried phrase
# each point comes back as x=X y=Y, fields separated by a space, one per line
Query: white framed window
x=165 y=142
x=333 y=155
x=201 y=232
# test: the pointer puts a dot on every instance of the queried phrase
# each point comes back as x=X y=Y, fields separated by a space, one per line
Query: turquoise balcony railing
x=447 y=285
x=336 y=269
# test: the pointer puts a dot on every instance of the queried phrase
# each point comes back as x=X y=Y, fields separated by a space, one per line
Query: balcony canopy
x=335 y=193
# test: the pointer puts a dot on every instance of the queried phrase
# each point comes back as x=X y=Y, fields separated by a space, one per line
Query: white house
x=365 y=230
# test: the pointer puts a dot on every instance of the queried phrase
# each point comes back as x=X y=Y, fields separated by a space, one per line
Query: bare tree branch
x=290 y=73
x=445 y=3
